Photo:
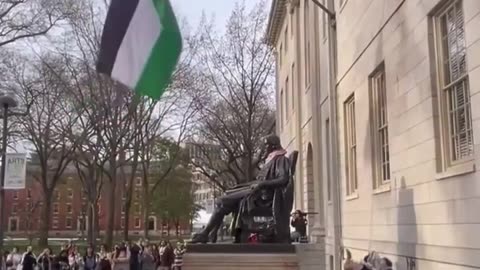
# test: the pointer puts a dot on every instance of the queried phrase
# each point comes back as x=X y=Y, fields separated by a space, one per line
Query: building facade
x=204 y=190
x=380 y=101
x=69 y=209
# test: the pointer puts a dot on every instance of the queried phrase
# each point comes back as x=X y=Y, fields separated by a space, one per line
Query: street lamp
x=7 y=102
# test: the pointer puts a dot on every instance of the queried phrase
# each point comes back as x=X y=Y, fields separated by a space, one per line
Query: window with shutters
x=350 y=146
x=379 y=127
x=455 y=106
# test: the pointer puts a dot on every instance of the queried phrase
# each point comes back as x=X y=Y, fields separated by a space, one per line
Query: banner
x=15 y=171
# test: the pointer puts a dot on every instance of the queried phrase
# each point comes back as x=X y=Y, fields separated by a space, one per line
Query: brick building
x=69 y=209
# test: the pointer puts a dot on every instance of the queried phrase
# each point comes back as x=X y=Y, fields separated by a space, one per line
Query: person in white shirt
x=13 y=259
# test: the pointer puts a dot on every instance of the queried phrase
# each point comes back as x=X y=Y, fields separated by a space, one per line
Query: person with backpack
x=90 y=260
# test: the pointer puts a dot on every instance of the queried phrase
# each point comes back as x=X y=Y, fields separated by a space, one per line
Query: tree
x=235 y=98
x=21 y=19
x=174 y=201
x=45 y=127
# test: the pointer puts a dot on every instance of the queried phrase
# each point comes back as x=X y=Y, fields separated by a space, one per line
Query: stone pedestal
x=241 y=257
x=255 y=257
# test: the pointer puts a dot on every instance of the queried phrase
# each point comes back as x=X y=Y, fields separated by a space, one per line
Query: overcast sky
x=192 y=9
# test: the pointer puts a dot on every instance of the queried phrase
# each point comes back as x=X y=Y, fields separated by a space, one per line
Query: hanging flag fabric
x=141 y=45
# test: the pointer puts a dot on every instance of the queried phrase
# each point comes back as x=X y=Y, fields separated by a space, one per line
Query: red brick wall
x=69 y=206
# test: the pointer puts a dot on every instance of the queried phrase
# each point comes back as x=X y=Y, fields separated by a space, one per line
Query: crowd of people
x=135 y=256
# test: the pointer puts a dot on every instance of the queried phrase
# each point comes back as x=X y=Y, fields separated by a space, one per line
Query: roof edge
x=277 y=12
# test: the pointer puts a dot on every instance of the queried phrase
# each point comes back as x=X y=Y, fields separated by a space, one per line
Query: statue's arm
x=283 y=175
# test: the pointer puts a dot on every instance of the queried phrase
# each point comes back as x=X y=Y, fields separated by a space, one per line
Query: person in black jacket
x=28 y=260
x=45 y=259
x=299 y=223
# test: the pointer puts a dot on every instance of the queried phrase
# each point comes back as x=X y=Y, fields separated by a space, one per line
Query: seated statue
x=269 y=186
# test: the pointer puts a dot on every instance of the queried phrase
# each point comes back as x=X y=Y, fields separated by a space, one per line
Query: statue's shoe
x=199 y=238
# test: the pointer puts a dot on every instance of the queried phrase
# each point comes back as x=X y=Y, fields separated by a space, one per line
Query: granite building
x=380 y=99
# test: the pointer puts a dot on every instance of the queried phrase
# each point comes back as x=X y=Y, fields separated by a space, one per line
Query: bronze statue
x=272 y=189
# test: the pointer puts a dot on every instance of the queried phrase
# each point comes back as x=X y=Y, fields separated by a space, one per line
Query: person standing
x=135 y=250
x=148 y=259
x=178 y=252
x=166 y=256
x=28 y=261
x=90 y=260
x=45 y=259
x=13 y=259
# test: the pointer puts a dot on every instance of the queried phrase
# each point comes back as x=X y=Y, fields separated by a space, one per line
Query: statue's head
x=272 y=143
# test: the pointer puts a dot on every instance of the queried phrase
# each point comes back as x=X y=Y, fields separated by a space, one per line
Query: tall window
x=287 y=99
x=55 y=208
x=453 y=84
x=294 y=87
x=328 y=155
x=379 y=125
x=55 y=223
x=69 y=208
x=70 y=193
x=324 y=23
x=350 y=146
x=137 y=223
x=68 y=223
x=281 y=108
x=280 y=55
x=14 y=208
x=122 y=222
x=29 y=193
x=306 y=18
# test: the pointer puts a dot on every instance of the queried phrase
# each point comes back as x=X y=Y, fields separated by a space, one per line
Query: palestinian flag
x=141 y=45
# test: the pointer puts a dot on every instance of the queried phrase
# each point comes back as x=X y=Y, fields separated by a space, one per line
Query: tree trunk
x=127 y=222
x=146 y=211
x=89 y=223
x=45 y=224
x=95 y=224
x=111 y=210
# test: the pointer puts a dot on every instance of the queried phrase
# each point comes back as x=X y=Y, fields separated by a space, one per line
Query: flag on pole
x=141 y=44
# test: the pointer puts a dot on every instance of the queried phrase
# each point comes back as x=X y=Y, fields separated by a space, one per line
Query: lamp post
x=7 y=102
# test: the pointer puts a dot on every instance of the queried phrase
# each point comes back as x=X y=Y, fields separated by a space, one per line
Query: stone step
x=242 y=261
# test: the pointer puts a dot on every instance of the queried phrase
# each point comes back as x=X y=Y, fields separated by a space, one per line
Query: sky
x=221 y=9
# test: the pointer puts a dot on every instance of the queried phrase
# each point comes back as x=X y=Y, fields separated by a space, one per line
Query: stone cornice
x=277 y=13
